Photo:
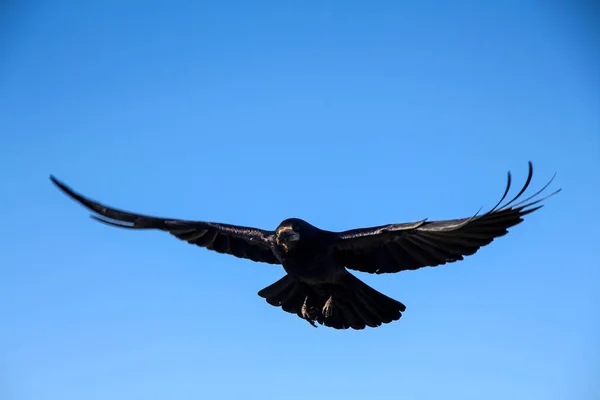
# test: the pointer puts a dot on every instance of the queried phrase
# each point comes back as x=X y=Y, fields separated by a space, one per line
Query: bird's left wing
x=409 y=246
x=239 y=241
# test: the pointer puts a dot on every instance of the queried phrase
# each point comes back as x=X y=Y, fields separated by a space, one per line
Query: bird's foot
x=328 y=307
x=306 y=312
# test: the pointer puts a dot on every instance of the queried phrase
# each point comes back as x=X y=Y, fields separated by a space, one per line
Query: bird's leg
x=306 y=312
x=328 y=307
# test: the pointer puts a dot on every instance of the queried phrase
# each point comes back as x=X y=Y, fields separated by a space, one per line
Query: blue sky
x=346 y=114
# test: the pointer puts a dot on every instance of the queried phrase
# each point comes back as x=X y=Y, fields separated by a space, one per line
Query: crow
x=317 y=286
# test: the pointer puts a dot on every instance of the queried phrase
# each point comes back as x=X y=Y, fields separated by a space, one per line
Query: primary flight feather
x=317 y=285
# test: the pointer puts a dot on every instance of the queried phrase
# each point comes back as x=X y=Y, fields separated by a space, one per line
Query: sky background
x=344 y=113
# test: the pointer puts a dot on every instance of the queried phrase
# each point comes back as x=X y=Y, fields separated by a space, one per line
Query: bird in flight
x=318 y=285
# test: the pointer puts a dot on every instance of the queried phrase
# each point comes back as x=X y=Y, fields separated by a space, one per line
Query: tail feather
x=383 y=307
x=276 y=293
x=287 y=293
x=354 y=298
x=353 y=320
x=365 y=312
x=354 y=304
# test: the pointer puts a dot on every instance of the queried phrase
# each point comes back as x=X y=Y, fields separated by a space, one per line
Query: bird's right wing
x=250 y=243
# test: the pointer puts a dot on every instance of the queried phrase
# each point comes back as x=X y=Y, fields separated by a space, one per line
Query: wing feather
x=409 y=246
x=243 y=242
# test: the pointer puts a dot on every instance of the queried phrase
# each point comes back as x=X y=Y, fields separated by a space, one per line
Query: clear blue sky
x=344 y=113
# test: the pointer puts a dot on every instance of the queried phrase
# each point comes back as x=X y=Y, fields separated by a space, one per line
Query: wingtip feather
x=56 y=181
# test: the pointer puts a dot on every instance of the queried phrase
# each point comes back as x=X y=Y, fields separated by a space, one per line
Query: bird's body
x=317 y=285
x=309 y=260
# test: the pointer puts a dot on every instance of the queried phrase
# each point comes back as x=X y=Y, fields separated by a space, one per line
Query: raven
x=317 y=285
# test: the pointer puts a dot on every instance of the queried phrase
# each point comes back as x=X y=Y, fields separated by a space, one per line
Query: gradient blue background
x=345 y=113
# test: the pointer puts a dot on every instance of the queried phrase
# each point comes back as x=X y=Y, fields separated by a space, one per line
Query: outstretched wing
x=239 y=241
x=409 y=246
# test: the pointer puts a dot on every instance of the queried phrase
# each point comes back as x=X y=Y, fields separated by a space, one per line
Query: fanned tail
x=349 y=304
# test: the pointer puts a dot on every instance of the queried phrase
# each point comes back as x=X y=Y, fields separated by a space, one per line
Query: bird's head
x=290 y=231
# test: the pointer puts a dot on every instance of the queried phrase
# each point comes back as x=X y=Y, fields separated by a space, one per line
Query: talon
x=328 y=307
x=305 y=312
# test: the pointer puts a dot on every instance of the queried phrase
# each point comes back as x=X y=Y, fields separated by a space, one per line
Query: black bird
x=317 y=285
